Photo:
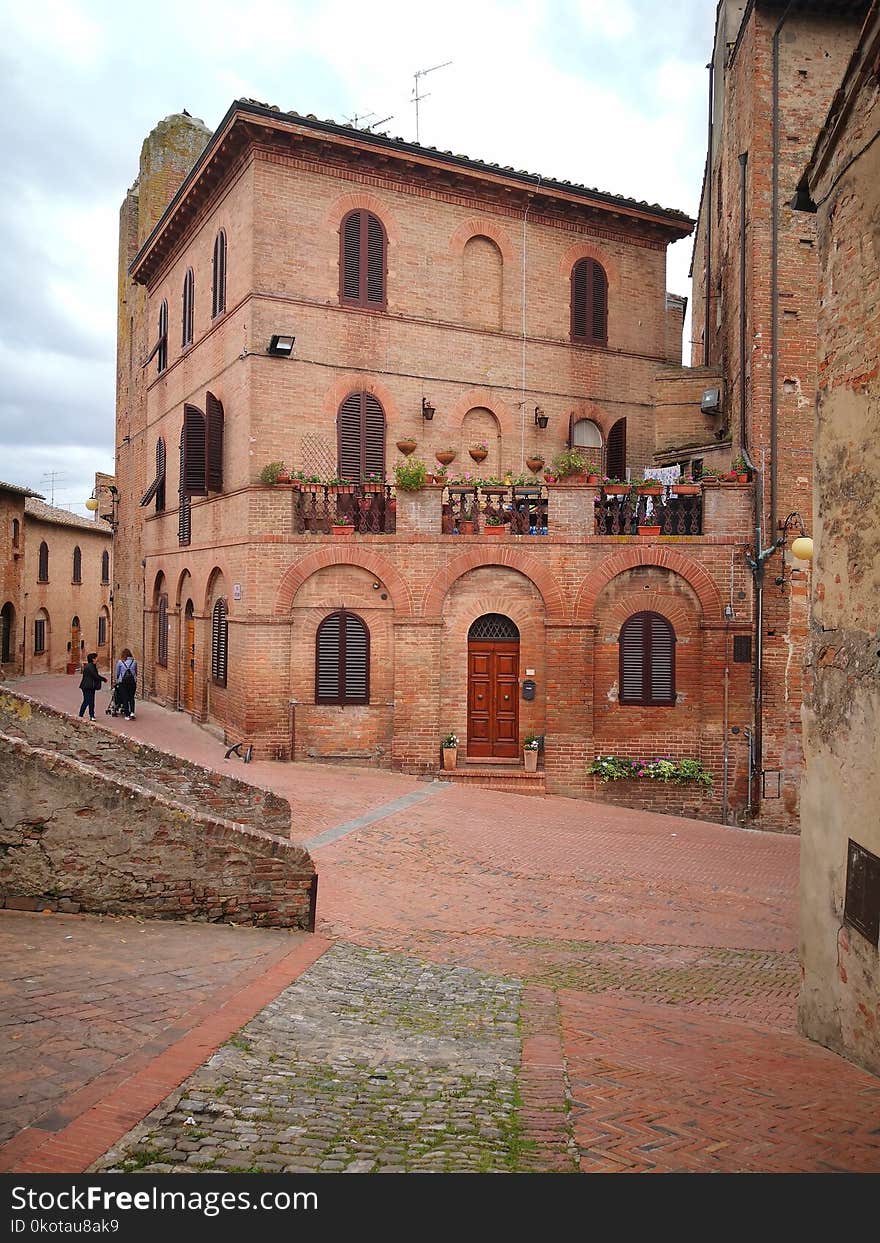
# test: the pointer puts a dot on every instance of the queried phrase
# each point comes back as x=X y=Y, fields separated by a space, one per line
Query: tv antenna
x=357 y=117
x=416 y=97
x=52 y=477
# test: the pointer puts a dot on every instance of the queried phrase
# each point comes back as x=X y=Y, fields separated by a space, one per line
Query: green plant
x=480 y=446
x=533 y=742
x=494 y=520
x=612 y=768
x=569 y=462
x=449 y=742
x=342 y=520
x=271 y=471
x=410 y=475
x=676 y=772
x=338 y=481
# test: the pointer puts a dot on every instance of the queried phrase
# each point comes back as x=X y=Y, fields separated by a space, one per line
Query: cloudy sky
x=609 y=93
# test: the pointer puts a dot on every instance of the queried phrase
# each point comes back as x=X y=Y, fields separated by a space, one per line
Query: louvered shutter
x=356 y=660
x=43 y=572
x=598 y=303
x=632 y=660
x=186 y=334
x=157 y=487
x=219 y=643
x=214 y=446
x=349 y=436
x=194 y=462
x=373 y=437
x=375 y=291
x=218 y=294
x=105 y=567
x=162 y=636
x=184 y=522
x=162 y=349
x=662 y=665
x=571 y=423
x=615 y=464
x=77 y=565
x=579 y=287
x=351 y=258
x=327 y=660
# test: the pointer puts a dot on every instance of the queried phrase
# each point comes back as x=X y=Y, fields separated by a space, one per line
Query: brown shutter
x=194 y=459
x=598 y=303
x=351 y=258
x=349 y=424
x=184 y=512
x=218 y=292
x=571 y=423
x=43 y=571
x=579 y=287
x=186 y=335
x=162 y=344
x=219 y=643
x=162 y=636
x=327 y=654
x=105 y=567
x=615 y=462
x=632 y=660
x=375 y=275
x=157 y=487
x=661 y=688
x=214 y=445
x=373 y=437
x=77 y=565
x=356 y=664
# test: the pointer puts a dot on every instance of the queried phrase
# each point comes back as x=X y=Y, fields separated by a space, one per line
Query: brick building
x=774 y=70
x=56 y=593
x=840 y=830
x=313 y=294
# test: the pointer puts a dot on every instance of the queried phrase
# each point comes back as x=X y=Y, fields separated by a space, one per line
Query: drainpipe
x=523 y=299
x=774 y=272
x=707 y=309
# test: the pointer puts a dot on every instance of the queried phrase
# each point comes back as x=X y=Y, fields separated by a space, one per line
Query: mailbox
x=528 y=688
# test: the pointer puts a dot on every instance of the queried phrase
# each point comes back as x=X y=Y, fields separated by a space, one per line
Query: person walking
x=89 y=683
x=126 y=682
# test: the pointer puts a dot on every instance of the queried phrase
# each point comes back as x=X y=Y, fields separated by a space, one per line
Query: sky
x=607 y=93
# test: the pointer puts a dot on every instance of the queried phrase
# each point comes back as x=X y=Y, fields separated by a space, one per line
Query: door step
x=489 y=761
x=510 y=780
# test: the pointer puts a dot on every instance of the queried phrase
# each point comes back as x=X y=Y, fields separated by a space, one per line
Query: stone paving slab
x=370 y=1062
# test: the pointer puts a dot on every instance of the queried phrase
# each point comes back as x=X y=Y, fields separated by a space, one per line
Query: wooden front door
x=493 y=693
x=74 y=642
x=189 y=657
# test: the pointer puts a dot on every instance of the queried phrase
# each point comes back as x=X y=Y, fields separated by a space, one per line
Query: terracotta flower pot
x=341 y=532
x=465 y=527
x=494 y=531
x=742 y=479
x=592 y=480
x=450 y=758
x=649 y=530
x=534 y=464
x=650 y=490
x=406 y=446
x=445 y=456
x=686 y=489
x=479 y=455
x=615 y=489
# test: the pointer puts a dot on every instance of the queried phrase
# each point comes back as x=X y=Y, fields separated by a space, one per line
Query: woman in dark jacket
x=90 y=682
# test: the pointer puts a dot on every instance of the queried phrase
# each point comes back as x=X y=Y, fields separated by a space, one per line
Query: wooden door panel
x=493 y=700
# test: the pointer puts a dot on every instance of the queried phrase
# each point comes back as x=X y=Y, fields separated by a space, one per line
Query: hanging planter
x=479 y=452
x=445 y=456
x=406 y=446
x=534 y=464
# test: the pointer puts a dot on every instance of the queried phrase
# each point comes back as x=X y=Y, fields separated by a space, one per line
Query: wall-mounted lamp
x=541 y=419
x=802 y=545
x=92 y=503
x=427 y=409
x=281 y=345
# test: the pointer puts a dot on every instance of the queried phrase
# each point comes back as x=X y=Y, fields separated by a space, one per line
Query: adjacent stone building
x=840 y=846
x=774 y=70
x=315 y=295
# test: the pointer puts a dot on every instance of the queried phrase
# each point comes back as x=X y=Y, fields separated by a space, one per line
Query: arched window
x=105 y=567
x=218 y=294
x=162 y=631
x=219 y=643
x=103 y=618
x=589 y=302
x=647 y=660
x=41 y=622
x=189 y=295
x=43 y=569
x=77 y=565
x=342 y=660
x=7 y=633
x=360 y=434
x=162 y=350
x=362 y=260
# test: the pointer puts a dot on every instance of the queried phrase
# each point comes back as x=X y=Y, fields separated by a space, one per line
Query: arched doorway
x=189 y=658
x=493 y=688
x=7 y=634
x=73 y=659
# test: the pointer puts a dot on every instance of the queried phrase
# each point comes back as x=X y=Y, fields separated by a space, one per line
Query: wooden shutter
x=615 y=462
x=373 y=436
x=105 y=567
x=162 y=635
x=356 y=663
x=194 y=459
x=349 y=436
x=218 y=291
x=77 y=565
x=632 y=660
x=214 y=443
x=589 y=302
x=571 y=423
x=44 y=563
x=375 y=283
x=598 y=303
x=327 y=660
x=157 y=487
x=662 y=665
x=219 y=643
x=162 y=344
x=351 y=258
x=184 y=511
x=579 y=301
x=186 y=334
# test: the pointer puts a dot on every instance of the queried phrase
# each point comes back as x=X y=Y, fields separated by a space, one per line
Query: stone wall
x=106 y=824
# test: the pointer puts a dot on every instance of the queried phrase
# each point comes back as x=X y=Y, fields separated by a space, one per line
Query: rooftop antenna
x=52 y=477
x=416 y=97
x=363 y=116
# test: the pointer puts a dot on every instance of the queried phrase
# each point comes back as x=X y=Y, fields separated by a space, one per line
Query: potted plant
x=570 y=465
x=311 y=483
x=341 y=525
x=647 y=528
x=549 y=477
x=615 y=487
x=648 y=487
x=445 y=456
x=494 y=525
x=440 y=475
x=410 y=475
x=742 y=470
x=449 y=747
x=271 y=472
x=534 y=463
x=531 y=747
x=338 y=484
x=406 y=446
x=374 y=483
x=479 y=451
x=686 y=486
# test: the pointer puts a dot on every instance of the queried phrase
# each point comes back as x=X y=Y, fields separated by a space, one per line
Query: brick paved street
x=649 y=962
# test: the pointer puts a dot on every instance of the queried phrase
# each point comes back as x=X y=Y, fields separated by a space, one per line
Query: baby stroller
x=115 y=705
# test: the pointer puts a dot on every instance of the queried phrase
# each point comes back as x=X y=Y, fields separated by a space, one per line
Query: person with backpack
x=89 y=683
x=126 y=682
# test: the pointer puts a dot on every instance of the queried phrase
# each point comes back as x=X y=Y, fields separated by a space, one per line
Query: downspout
x=523 y=299
x=707 y=307
x=774 y=272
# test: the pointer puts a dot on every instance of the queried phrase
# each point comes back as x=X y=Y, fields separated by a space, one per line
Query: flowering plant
x=480 y=444
x=618 y=768
x=342 y=520
x=494 y=520
x=532 y=742
x=451 y=740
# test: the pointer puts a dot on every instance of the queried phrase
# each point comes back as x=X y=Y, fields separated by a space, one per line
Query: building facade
x=774 y=70
x=840 y=830
x=313 y=296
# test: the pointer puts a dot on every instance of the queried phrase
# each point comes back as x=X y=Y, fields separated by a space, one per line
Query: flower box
x=495 y=530
x=647 y=529
x=341 y=531
x=650 y=489
x=686 y=489
x=616 y=489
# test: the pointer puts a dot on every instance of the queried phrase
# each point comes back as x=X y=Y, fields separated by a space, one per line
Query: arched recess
x=590 y=250
x=525 y=564
x=184 y=588
x=103 y=626
x=7 y=633
x=667 y=559
x=383 y=572
x=481 y=426
x=484 y=398
x=217 y=586
x=482 y=284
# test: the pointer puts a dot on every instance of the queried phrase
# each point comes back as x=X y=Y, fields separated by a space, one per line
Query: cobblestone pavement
x=371 y=1061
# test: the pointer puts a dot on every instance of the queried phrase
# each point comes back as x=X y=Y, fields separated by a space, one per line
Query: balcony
x=673 y=514
x=370 y=508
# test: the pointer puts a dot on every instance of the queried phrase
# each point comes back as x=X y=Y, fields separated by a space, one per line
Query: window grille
x=494 y=628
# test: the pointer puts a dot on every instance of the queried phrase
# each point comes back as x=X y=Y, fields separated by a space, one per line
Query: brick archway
x=664 y=559
x=362 y=200
x=590 y=250
x=482 y=398
x=506 y=558
x=297 y=574
x=481 y=226
x=358 y=382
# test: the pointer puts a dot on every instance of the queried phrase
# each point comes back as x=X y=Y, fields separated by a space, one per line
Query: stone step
x=511 y=780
